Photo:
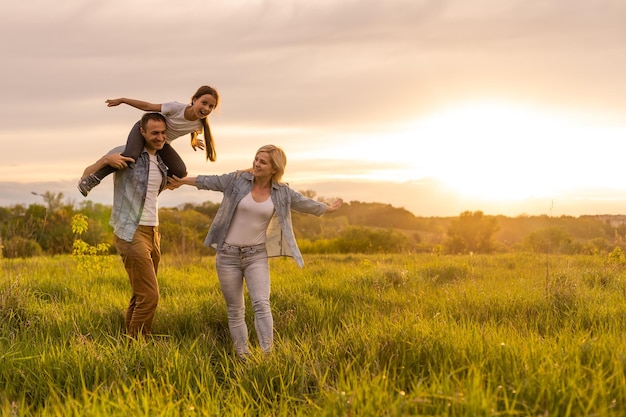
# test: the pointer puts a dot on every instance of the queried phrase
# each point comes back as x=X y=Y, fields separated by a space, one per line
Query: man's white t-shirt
x=150 y=213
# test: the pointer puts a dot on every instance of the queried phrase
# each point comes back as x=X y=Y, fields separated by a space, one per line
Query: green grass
x=378 y=335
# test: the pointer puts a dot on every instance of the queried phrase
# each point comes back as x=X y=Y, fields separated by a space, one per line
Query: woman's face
x=203 y=106
x=262 y=166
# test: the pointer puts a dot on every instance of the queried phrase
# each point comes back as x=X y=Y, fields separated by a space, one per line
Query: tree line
x=357 y=227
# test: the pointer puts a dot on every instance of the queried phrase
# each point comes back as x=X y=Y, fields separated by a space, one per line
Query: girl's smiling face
x=203 y=106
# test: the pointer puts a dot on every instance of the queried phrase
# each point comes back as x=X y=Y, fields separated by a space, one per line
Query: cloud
x=299 y=61
x=311 y=76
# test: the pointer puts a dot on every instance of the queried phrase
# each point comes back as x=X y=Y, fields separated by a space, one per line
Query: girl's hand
x=114 y=102
x=197 y=143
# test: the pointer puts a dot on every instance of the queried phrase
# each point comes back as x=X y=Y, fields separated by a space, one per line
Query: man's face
x=154 y=134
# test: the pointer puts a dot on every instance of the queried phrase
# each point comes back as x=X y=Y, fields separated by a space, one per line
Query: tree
x=183 y=231
x=53 y=200
x=471 y=232
x=378 y=215
x=550 y=239
x=358 y=239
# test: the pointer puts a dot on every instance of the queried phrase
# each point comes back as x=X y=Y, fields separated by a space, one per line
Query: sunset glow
x=500 y=151
x=494 y=150
x=489 y=150
x=438 y=107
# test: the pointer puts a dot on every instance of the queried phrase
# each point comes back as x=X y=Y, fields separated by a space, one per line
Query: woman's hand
x=174 y=182
x=334 y=206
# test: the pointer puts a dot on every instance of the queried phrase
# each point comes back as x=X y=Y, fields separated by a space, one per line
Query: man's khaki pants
x=141 y=259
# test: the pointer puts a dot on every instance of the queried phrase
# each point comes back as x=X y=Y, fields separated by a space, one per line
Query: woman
x=252 y=224
x=181 y=120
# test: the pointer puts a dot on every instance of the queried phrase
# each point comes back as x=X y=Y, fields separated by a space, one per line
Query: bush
x=20 y=247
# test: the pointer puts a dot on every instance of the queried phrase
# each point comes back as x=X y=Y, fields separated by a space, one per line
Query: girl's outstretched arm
x=138 y=104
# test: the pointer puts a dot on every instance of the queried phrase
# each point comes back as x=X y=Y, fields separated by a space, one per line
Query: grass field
x=383 y=335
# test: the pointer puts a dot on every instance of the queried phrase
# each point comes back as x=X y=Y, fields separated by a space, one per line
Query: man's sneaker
x=86 y=184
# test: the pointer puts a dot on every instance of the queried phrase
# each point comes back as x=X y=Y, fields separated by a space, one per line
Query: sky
x=513 y=107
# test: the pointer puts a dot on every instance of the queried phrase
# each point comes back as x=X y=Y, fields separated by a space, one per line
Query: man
x=135 y=219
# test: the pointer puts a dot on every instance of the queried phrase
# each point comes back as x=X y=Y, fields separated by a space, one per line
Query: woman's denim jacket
x=129 y=194
x=280 y=239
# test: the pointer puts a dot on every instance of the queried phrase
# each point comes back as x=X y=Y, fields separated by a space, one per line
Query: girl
x=181 y=119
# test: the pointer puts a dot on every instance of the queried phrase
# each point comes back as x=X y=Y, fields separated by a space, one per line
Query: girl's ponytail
x=209 y=143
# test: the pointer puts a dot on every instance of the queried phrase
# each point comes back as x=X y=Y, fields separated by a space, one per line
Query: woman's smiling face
x=262 y=166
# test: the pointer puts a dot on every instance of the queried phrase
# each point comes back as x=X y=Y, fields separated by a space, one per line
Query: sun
x=495 y=150
x=484 y=151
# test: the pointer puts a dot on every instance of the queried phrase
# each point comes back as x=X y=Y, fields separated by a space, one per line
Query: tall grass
x=379 y=335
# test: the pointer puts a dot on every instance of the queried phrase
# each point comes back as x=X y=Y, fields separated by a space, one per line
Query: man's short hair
x=158 y=117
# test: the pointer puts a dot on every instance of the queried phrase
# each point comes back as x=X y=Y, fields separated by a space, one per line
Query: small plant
x=90 y=259
x=617 y=257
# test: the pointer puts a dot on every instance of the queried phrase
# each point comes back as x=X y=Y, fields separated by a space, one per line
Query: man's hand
x=118 y=161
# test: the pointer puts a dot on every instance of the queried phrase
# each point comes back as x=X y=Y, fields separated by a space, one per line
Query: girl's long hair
x=209 y=143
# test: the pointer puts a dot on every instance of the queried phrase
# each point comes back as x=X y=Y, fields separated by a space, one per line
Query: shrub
x=89 y=258
x=20 y=247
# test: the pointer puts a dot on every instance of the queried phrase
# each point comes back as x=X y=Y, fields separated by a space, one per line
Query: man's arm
x=116 y=160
